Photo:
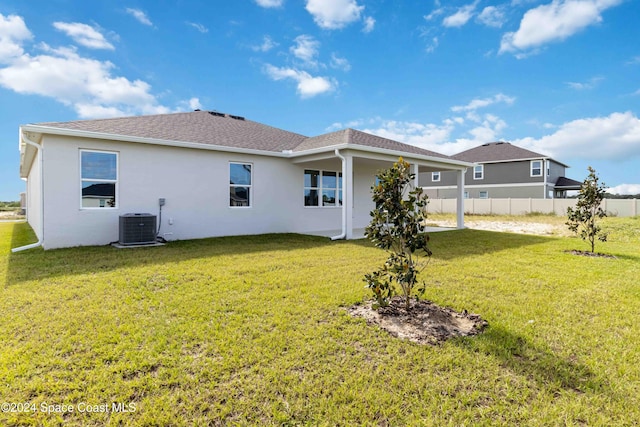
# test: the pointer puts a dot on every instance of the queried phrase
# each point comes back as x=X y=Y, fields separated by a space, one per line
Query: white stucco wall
x=195 y=184
x=34 y=197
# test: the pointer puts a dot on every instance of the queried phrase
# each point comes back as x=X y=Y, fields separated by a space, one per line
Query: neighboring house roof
x=498 y=152
x=103 y=190
x=568 y=183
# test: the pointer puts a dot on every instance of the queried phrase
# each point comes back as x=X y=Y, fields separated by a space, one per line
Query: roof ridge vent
x=216 y=114
x=235 y=117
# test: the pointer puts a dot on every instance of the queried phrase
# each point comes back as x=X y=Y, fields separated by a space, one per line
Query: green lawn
x=253 y=331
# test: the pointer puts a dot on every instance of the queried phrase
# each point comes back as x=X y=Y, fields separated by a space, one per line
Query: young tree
x=397 y=226
x=582 y=219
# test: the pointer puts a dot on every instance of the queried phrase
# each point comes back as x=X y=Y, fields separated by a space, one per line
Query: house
x=213 y=174
x=503 y=170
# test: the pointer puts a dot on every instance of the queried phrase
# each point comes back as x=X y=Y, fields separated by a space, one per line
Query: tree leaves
x=582 y=219
x=397 y=226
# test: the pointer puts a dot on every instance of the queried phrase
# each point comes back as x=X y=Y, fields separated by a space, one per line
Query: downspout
x=544 y=172
x=41 y=237
x=344 y=197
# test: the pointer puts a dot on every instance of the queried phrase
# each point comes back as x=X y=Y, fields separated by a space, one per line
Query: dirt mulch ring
x=589 y=254
x=424 y=323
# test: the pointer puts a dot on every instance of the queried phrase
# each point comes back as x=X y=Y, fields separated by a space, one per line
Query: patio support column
x=414 y=170
x=460 y=199
x=347 y=197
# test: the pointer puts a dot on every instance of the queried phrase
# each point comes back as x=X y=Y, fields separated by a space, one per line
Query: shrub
x=397 y=226
x=582 y=219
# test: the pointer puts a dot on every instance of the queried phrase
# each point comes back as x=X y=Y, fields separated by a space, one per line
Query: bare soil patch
x=424 y=323
x=520 y=227
x=590 y=254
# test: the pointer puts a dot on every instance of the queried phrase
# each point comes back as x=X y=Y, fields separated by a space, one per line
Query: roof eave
x=458 y=164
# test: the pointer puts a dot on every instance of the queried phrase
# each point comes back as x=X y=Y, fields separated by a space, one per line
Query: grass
x=252 y=331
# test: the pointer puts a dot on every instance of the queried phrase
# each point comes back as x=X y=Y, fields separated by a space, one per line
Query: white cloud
x=614 y=137
x=429 y=136
x=484 y=102
x=369 y=24
x=140 y=16
x=334 y=14
x=306 y=49
x=194 y=104
x=308 y=86
x=199 y=27
x=632 y=189
x=634 y=60
x=589 y=84
x=431 y=47
x=84 y=34
x=13 y=32
x=489 y=129
x=555 y=21
x=266 y=46
x=340 y=63
x=270 y=3
x=86 y=85
x=461 y=17
x=435 y=13
x=350 y=124
x=492 y=16
x=476 y=129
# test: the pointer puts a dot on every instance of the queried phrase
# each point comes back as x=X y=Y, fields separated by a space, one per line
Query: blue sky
x=558 y=77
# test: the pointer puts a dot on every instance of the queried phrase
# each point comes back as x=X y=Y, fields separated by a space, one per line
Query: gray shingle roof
x=352 y=136
x=497 y=152
x=204 y=127
x=200 y=127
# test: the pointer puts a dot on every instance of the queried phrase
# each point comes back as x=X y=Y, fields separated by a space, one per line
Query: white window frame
x=481 y=172
x=485 y=192
x=435 y=176
x=541 y=168
x=250 y=186
x=106 y=181
x=320 y=188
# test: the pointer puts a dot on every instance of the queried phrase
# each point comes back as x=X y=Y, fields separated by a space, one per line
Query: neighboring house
x=219 y=174
x=503 y=170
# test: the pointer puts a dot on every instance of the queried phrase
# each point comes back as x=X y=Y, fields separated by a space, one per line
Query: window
x=478 y=172
x=240 y=185
x=435 y=176
x=484 y=195
x=322 y=188
x=536 y=168
x=98 y=179
x=466 y=194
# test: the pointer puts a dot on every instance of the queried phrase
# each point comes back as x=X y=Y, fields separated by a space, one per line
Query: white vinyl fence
x=613 y=207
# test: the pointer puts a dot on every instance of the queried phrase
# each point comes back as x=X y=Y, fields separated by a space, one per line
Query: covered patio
x=359 y=158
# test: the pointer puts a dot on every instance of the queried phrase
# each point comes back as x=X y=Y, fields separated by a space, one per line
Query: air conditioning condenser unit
x=137 y=229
